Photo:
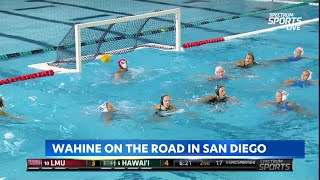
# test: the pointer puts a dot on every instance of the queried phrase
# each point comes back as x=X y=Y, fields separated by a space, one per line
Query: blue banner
x=175 y=148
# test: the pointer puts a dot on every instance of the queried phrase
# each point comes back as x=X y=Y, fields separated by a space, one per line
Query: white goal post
x=75 y=48
x=78 y=28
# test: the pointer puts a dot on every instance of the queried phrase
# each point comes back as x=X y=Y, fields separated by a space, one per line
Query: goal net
x=87 y=41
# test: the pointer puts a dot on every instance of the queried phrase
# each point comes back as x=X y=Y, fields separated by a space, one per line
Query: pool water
x=66 y=106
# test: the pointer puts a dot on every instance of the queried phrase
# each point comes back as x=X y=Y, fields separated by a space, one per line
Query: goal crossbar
x=78 y=28
x=129 y=18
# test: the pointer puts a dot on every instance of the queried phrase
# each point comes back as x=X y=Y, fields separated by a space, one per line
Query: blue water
x=66 y=106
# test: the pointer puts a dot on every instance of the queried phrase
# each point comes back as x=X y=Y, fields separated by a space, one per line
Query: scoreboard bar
x=163 y=164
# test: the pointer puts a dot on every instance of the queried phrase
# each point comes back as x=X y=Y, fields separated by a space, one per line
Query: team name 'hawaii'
x=134 y=163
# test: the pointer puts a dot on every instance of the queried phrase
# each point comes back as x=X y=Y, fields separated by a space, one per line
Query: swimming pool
x=65 y=106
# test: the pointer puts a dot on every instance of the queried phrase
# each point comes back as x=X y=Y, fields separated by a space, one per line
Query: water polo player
x=219 y=74
x=165 y=107
x=107 y=108
x=297 y=55
x=248 y=62
x=123 y=68
x=220 y=96
x=3 y=113
x=282 y=104
x=304 y=81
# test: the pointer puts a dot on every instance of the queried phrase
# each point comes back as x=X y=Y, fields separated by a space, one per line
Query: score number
x=166 y=163
x=46 y=163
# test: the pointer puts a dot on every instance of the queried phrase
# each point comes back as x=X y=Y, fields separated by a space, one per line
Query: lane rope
x=221 y=39
x=162 y=30
x=288 y=2
x=27 y=77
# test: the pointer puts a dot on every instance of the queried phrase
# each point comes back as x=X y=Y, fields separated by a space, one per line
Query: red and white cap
x=123 y=64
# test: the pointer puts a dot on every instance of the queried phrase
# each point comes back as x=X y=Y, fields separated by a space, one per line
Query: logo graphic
x=285 y=18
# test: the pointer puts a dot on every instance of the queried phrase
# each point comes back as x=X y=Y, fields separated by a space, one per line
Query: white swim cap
x=284 y=94
x=217 y=69
x=310 y=75
x=8 y=135
x=299 y=48
x=103 y=107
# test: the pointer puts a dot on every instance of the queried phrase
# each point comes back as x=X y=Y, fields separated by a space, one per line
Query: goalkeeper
x=123 y=69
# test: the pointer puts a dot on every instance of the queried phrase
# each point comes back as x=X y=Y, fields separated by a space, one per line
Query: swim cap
x=310 y=75
x=8 y=135
x=162 y=97
x=251 y=54
x=217 y=69
x=284 y=94
x=217 y=89
x=299 y=48
x=1 y=103
x=103 y=107
x=123 y=64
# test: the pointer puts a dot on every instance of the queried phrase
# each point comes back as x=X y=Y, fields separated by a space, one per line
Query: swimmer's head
x=165 y=100
x=281 y=95
x=220 y=91
x=219 y=71
x=306 y=75
x=110 y=107
x=298 y=52
x=123 y=64
x=2 y=103
x=249 y=58
x=107 y=107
